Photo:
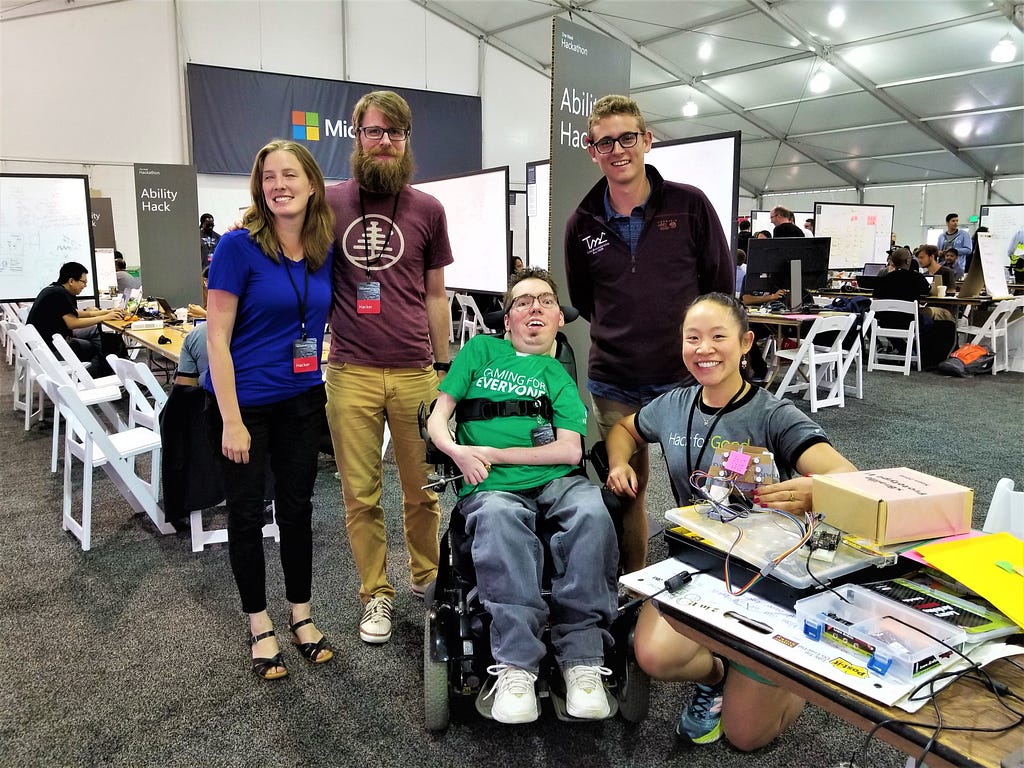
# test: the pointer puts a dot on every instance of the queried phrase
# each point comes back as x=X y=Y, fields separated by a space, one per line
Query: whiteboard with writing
x=44 y=222
x=476 y=207
x=860 y=233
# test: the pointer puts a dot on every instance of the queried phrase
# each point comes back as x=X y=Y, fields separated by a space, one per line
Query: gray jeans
x=509 y=559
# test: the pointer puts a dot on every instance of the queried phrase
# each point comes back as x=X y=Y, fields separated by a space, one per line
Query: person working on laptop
x=722 y=407
x=931 y=263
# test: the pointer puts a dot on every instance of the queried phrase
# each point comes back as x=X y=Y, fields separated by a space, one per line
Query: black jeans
x=284 y=436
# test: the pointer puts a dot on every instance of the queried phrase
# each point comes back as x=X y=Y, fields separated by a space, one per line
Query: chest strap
x=480 y=409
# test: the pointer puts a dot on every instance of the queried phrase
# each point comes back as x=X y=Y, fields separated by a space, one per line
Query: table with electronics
x=965 y=702
x=160 y=354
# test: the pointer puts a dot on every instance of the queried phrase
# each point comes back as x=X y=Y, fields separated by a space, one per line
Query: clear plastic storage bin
x=896 y=641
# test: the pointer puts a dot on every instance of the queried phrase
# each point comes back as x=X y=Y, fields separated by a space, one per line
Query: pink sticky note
x=737 y=462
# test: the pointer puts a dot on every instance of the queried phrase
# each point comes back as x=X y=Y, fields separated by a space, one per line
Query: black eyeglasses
x=525 y=301
x=607 y=144
x=376 y=133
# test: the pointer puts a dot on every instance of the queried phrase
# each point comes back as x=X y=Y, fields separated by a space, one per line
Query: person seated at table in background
x=758 y=365
x=520 y=471
x=126 y=281
x=763 y=234
x=958 y=240
x=193 y=362
x=929 y=260
x=722 y=407
x=951 y=259
x=55 y=310
x=517 y=264
x=198 y=311
x=270 y=291
x=902 y=284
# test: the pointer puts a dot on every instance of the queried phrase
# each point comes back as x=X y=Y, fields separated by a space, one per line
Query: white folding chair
x=146 y=398
x=26 y=370
x=472 y=321
x=818 y=364
x=1006 y=510
x=48 y=364
x=78 y=370
x=994 y=330
x=86 y=439
x=451 y=318
x=910 y=335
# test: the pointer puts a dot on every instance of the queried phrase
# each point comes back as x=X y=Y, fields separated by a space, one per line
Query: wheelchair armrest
x=599 y=460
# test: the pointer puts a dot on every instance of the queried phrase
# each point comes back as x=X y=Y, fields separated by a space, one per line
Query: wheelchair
x=456 y=632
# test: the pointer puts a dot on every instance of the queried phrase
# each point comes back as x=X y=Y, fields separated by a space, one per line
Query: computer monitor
x=872 y=268
x=798 y=264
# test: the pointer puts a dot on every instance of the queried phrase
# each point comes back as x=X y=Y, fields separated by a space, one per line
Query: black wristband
x=442 y=366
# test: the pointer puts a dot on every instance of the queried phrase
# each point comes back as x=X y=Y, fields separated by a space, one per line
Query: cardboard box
x=893 y=505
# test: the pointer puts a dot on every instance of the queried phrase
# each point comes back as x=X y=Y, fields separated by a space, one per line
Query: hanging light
x=690 y=109
x=820 y=82
x=1004 y=51
x=704 y=52
x=836 y=17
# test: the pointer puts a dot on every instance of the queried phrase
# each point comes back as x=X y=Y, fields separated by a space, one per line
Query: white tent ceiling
x=914 y=95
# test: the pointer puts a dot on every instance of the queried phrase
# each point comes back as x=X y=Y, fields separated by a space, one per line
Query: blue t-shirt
x=267 y=321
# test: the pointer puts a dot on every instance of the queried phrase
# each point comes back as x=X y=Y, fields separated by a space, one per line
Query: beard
x=386 y=177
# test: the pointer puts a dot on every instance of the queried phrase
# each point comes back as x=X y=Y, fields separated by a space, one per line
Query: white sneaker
x=585 y=695
x=375 y=624
x=515 y=700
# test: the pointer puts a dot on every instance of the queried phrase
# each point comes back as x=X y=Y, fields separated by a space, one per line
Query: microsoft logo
x=306 y=126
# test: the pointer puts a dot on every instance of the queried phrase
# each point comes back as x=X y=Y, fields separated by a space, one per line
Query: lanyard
x=300 y=300
x=707 y=436
x=372 y=260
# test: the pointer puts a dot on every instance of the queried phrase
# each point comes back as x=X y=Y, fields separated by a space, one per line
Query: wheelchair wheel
x=435 y=685
x=634 y=693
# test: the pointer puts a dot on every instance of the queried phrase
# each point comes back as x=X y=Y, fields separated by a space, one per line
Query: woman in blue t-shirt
x=746 y=708
x=269 y=294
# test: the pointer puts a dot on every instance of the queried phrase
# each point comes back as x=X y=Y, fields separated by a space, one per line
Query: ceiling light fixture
x=820 y=82
x=704 y=52
x=836 y=17
x=690 y=109
x=1005 y=51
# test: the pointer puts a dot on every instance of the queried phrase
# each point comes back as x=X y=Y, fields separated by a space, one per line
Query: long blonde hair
x=317 y=229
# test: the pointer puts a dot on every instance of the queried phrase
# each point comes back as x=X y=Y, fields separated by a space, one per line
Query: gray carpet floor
x=134 y=654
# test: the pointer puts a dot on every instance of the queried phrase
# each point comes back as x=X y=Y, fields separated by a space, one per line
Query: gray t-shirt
x=193 y=360
x=758 y=418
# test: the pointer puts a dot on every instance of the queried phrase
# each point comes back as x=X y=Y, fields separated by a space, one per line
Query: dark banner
x=234 y=112
x=586 y=65
x=166 y=202
x=102 y=223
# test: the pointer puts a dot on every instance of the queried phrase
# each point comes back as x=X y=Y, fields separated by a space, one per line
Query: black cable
x=671 y=584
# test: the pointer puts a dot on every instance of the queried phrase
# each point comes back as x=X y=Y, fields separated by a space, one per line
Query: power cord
x=671 y=584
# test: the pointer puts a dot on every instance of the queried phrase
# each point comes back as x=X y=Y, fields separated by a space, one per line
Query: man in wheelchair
x=519 y=443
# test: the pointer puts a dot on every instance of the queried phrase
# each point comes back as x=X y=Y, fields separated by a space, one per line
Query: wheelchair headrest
x=495 y=320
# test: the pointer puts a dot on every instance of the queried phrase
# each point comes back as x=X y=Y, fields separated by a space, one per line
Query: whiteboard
x=860 y=233
x=476 y=206
x=710 y=163
x=1002 y=221
x=44 y=222
x=538 y=211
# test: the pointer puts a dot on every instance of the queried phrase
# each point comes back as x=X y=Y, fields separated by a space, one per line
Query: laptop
x=873 y=268
x=165 y=306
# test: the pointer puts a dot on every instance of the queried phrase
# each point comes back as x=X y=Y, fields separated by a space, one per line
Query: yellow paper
x=972 y=562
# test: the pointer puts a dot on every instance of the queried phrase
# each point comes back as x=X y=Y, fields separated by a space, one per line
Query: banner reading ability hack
x=166 y=202
x=586 y=65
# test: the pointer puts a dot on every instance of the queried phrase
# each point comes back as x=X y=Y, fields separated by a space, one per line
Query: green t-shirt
x=489 y=367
